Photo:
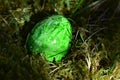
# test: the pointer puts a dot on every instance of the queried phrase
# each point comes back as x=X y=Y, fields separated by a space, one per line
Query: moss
x=95 y=52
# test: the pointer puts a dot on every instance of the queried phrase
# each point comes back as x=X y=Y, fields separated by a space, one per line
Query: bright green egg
x=50 y=37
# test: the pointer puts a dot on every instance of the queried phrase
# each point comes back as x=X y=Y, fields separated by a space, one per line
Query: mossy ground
x=95 y=50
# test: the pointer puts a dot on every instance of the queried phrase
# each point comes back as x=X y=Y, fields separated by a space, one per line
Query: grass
x=95 y=50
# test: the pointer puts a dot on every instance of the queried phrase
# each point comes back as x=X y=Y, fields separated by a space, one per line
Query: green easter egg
x=50 y=37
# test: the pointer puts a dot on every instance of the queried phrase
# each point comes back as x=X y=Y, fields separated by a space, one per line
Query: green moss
x=93 y=56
